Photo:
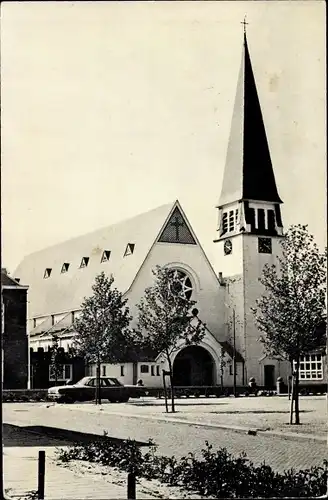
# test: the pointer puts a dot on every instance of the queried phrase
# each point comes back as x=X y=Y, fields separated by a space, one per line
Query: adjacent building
x=14 y=333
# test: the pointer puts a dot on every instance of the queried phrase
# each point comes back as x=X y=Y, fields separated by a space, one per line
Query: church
x=246 y=238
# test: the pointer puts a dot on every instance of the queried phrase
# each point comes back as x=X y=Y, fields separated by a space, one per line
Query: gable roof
x=63 y=292
x=8 y=282
x=248 y=173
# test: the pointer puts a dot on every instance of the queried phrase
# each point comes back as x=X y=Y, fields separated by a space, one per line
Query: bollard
x=131 y=486
x=279 y=385
x=41 y=474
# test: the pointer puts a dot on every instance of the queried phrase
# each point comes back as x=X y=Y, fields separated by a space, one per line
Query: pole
x=41 y=474
x=131 y=486
x=234 y=354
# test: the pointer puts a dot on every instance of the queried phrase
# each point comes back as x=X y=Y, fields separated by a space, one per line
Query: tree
x=224 y=362
x=165 y=318
x=291 y=310
x=102 y=329
x=56 y=362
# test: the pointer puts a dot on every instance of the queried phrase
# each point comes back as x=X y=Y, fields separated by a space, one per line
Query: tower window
x=261 y=219
x=105 y=256
x=129 y=249
x=250 y=217
x=236 y=216
x=231 y=221
x=84 y=262
x=47 y=273
x=271 y=220
x=224 y=222
x=65 y=267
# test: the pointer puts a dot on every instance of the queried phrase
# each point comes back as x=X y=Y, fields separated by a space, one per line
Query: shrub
x=215 y=474
x=24 y=395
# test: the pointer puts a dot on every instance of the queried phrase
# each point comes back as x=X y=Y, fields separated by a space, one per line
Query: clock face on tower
x=227 y=247
x=265 y=245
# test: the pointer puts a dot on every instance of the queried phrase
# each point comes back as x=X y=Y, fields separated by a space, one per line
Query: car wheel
x=69 y=400
x=111 y=400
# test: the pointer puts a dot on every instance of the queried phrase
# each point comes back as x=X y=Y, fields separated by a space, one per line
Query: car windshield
x=83 y=381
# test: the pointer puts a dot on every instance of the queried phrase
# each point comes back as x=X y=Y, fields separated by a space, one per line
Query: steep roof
x=248 y=173
x=65 y=291
x=7 y=281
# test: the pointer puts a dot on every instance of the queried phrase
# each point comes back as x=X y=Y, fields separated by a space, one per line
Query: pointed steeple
x=248 y=171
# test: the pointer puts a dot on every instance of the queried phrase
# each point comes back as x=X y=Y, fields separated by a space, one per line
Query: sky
x=112 y=109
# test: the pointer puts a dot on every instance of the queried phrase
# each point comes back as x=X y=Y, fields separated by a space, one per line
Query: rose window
x=181 y=284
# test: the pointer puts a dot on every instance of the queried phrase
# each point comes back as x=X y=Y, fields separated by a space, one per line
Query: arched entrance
x=193 y=365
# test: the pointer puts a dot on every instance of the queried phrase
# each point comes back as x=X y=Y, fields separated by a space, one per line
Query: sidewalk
x=21 y=471
x=201 y=422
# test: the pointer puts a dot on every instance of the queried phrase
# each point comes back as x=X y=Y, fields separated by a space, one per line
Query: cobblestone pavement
x=255 y=412
x=172 y=438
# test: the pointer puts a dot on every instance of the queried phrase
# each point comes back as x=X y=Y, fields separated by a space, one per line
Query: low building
x=14 y=333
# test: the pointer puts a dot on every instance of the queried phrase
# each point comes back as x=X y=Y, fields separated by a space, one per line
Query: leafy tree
x=102 y=329
x=291 y=310
x=56 y=362
x=165 y=318
x=224 y=362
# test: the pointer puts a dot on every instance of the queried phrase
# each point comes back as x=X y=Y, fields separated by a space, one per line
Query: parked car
x=85 y=390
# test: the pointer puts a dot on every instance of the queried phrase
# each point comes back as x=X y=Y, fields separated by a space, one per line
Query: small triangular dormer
x=47 y=273
x=65 y=267
x=129 y=249
x=105 y=256
x=176 y=230
x=84 y=262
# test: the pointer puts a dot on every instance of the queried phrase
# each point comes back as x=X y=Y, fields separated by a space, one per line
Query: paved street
x=175 y=438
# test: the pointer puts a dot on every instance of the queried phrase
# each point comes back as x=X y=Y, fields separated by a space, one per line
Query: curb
x=284 y=435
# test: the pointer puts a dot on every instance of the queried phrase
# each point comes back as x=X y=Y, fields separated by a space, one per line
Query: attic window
x=47 y=273
x=105 y=256
x=129 y=249
x=84 y=262
x=65 y=267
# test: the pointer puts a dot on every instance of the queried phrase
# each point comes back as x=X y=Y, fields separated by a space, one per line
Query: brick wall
x=15 y=342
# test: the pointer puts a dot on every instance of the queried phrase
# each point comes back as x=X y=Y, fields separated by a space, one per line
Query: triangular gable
x=176 y=230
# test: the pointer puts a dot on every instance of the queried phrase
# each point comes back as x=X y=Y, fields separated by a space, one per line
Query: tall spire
x=248 y=171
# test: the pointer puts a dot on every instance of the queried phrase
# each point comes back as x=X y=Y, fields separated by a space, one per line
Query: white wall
x=190 y=259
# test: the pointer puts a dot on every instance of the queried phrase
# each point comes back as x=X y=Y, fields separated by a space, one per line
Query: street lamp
x=234 y=364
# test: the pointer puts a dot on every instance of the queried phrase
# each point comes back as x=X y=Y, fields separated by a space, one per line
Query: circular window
x=181 y=284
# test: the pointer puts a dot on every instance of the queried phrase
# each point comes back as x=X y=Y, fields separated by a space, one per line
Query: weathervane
x=244 y=23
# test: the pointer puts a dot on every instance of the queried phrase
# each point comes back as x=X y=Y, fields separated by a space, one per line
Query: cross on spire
x=244 y=23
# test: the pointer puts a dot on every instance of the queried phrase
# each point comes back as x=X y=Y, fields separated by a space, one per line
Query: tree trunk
x=296 y=394
x=165 y=392
x=98 y=395
x=291 y=404
x=172 y=385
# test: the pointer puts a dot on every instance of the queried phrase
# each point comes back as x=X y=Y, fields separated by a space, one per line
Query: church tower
x=249 y=218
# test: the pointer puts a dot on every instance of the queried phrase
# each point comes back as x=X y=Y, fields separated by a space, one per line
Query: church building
x=247 y=237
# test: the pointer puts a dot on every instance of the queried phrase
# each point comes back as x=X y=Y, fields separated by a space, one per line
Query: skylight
x=47 y=273
x=84 y=262
x=129 y=249
x=105 y=256
x=65 y=267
